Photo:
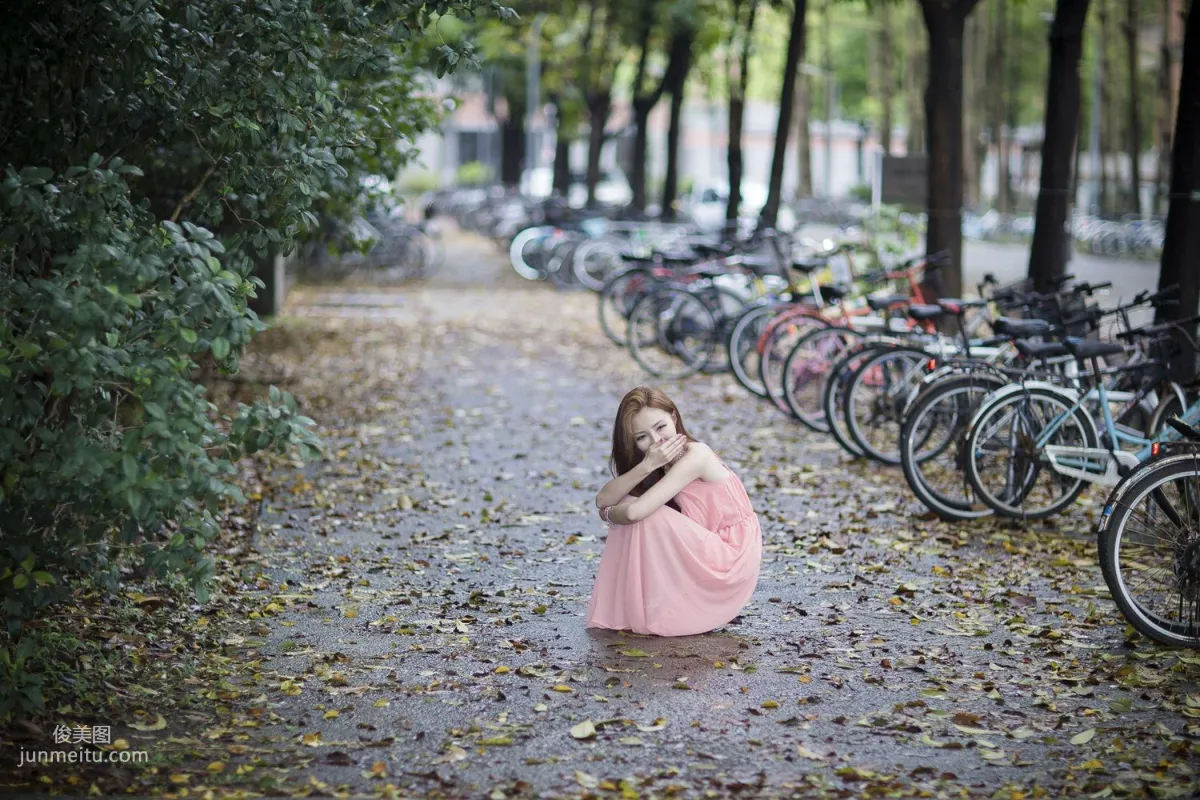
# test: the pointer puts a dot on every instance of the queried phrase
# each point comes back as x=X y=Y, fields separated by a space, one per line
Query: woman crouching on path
x=684 y=544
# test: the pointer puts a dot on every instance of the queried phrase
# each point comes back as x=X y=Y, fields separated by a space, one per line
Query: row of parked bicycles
x=1035 y=396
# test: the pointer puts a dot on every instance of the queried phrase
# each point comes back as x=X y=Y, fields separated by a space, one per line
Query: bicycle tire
x=1135 y=490
x=806 y=369
x=987 y=411
x=965 y=392
x=891 y=407
x=673 y=312
x=743 y=338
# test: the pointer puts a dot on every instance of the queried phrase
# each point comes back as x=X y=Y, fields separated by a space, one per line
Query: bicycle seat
x=957 y=306
x=923 y=311
x=886 y=301
x=1021 y=328
x=1085 y=348
x=831 y=293
x=809 y=267
x=1038 y=351
x=713 y=248
x=677 y=256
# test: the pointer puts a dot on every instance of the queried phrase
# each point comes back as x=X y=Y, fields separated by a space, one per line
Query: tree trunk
x=512 y=147
x=1181 y=251
x=562 y=153
x=945 y=22
x=887 y=78
x=804 y=186
x=996 y=89
x=737 y=106
x=1134 y=130
x=1013 y=85
x=971 y=108
x=676 y=86
x=1162 y=111
x=795 y=52
x=1108 y=124
x=644 y=102
x=599 y=105
x=827 y=66
x=1047 y=254
x=642 y=105
x=915 y=56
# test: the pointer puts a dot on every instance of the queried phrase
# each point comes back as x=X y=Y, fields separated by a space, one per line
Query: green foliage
x=154 y=154
x=108 y=443
x=20 y=686
x=474 y=173
x=418 y=182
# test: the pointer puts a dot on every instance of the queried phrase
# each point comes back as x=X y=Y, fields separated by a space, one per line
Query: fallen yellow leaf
x=584 y=730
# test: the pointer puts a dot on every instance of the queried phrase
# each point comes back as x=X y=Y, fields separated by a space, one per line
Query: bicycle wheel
x=1172 y=405
x=833 y=399
x=672 y=332
x=1150 y=550
x=726 y=306
x=527 y=253
x=776 y=344
x=875 y=398
x=806 y=369
x=594 y=260
x=744 y=359
x=1005 y=465
x=932 y=438
x=620 y=294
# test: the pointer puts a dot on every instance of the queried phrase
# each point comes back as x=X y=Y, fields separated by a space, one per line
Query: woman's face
x=651 y=426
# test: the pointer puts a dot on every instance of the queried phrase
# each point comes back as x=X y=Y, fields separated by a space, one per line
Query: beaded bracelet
x=604 y=514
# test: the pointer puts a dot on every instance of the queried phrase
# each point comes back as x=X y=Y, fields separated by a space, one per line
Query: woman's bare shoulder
x=703 y=454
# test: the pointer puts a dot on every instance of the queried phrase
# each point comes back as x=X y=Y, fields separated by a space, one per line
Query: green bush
x=108 y=444
x=474 y=173
x=861 y=192
x=414 y=184
x=236 y=125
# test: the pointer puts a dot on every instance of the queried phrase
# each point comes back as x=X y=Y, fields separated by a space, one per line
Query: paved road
x=423 y=592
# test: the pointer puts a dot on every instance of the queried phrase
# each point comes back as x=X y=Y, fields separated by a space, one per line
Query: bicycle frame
x=1081 y=462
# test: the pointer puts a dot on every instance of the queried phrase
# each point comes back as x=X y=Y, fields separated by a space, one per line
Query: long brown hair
x=625 y=453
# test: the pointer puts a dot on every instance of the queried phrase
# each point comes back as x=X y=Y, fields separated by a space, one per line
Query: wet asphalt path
x=430 y=578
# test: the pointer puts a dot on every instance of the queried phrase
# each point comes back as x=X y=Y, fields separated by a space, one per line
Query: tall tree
x=1108 y=131
x=678 y=58
x=974 y=92
x=737 y=72
x=886 y=77
x=997 y=72
x=1047 y=256
x=599 y=65
x=1181 y=251
x=795 y=52
x=1134 y=127
x=945 y=21
x=915 y=59
x=827 y=69
x=675 y=82
x=643 y=103
x=803 y=114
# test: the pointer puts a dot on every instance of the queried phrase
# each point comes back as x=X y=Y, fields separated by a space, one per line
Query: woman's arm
x=616 y=489
x=690 y=467
x=656 y=457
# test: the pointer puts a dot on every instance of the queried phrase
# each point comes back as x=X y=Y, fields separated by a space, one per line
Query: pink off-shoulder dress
x=676 y=574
